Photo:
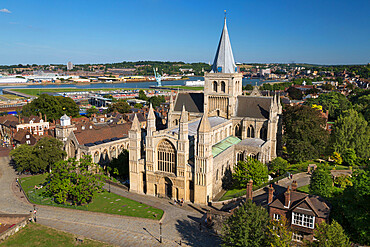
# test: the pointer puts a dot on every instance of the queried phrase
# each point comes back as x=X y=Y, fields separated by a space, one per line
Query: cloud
x=5 y=11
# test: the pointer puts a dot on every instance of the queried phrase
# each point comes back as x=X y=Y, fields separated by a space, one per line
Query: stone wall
x=18 y=220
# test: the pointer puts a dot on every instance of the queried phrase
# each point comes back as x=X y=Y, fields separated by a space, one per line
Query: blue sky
x=91 y=31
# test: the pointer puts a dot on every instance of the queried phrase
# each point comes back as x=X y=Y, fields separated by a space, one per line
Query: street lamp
x=160 y=232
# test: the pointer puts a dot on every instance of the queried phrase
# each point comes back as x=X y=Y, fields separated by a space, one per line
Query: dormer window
x=303 y=220
x=31 y=122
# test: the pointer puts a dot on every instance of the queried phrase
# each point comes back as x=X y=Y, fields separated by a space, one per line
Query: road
x=178 y=223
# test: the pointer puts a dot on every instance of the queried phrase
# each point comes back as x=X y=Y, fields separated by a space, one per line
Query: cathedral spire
x=224 y=59
x=184 y=115
x=204 y=125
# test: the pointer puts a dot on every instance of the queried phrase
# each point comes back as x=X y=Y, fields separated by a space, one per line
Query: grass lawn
x=304 y=189
x=103 y=202
x=234 y=193
x=35 y=235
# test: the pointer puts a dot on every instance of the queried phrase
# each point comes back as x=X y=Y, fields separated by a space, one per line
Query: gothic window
x=166 y=157
x=238 y=131
x=250 y=132
x=223 y=86
x=96 y=157
x=239 y=157
x=215 y=86
x=113 y=153
x=263 y=133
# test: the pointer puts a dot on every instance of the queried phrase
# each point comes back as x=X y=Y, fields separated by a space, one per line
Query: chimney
x=287 y=198
x=270 y=194
x=294 y=185
x=249 y=195
x=40 y=115
x=45 y=118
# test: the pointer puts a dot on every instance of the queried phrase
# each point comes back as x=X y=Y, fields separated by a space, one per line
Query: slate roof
x=104 y=133
x=224 y=144
x=224 y=58
x=254 y=107
x=253 y=142
x=193 y=102
x=297 y=200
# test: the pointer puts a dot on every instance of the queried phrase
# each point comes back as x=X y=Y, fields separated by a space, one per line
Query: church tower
x=223 y=83
x=151 y=128
x=136 y=169
x=203 y=163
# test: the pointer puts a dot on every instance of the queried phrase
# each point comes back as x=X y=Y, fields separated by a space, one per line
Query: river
x=122 y=85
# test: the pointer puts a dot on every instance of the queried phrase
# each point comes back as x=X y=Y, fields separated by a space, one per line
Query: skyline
x=270 y=32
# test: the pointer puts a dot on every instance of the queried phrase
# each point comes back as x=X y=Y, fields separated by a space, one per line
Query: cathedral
x=207 y=134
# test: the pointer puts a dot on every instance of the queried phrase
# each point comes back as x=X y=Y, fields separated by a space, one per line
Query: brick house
x=303 y=211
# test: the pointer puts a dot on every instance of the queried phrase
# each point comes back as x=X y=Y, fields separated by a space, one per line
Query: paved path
x=179 y=223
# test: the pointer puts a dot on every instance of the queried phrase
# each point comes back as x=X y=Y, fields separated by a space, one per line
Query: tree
x=321 y=183
x=249 y=87
x=138 y=105
x=49 y=151
x=74 y=181
x=68 y=105
x=157 y=100
x=121 y=106
x=120 y=165
x=351 y=209
x=304 y=134
x=25 y=159
x=337 y=158
x=295 y=93
x=349 y=157
x=279 y=233
x=246 y=227
x=351 y=131
x=142 y=95
x=51 y=106
x=278 y=166
x=330 y=235
x=250 y=169
x=91 y=111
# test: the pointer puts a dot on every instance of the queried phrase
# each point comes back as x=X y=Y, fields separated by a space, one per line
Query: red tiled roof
x=103 y=133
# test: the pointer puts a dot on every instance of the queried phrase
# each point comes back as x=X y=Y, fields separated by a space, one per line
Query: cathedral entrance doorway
x=168 y=187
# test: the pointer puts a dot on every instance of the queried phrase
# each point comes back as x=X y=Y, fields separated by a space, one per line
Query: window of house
x=28 y=136
x=297 y=237
x=303 y=220
x=277 y=217
x=28 y=142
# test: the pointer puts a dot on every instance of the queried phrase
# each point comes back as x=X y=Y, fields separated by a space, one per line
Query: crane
x=158 y=78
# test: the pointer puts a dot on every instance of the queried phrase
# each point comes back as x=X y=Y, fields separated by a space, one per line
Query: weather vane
x=225 y=13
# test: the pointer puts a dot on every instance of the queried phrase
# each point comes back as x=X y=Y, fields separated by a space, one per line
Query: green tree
x=321 y=183
x=91 y=111
x=68 y=105
x=278 y=166
x=49 y=151
x=351 y=209
x=142 y=95
x=74 y=181
x=279 y=233
x=337 y=158
x=349 y=157
x=121 y=106
x=250 y=169
x=25 y=159
x=304 y=134
x=156 y=101
x=330 y=235
x=351 y=131
x=120 y=165
x=51 y=106
x=138 y=105
x=246 y=227
x=249 y=87
x=295 y=93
